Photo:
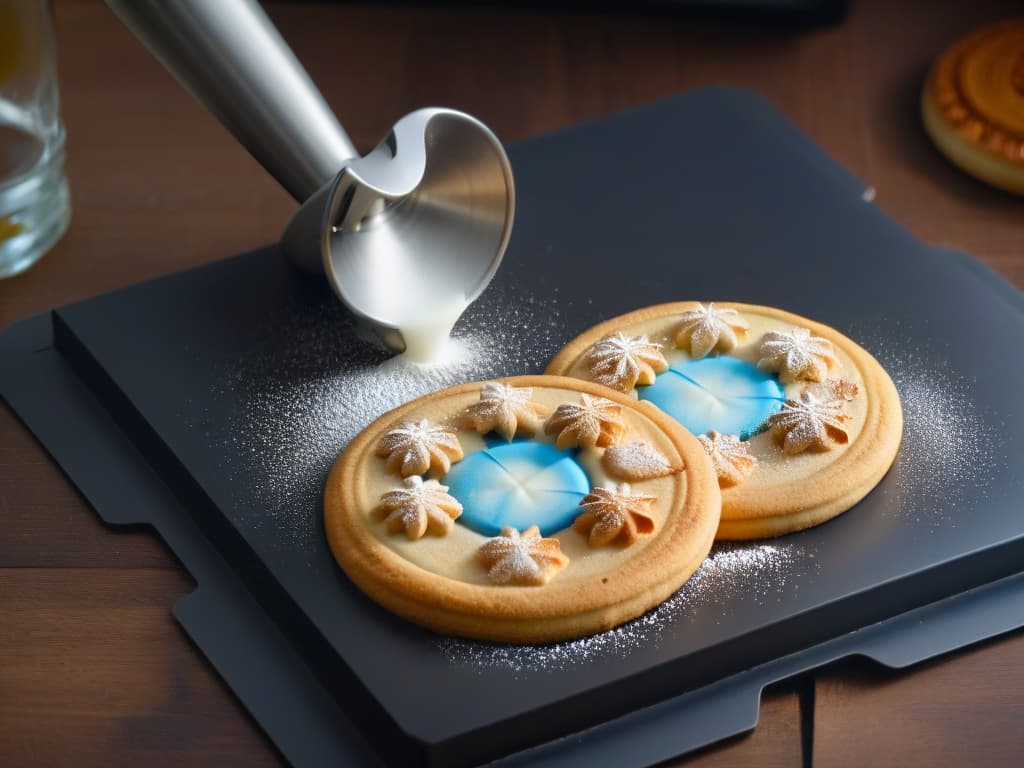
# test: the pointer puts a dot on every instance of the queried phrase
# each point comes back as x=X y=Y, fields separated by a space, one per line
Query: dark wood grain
x=93 y=670
x=44 y=522
x=775 y=743
x=962 y=710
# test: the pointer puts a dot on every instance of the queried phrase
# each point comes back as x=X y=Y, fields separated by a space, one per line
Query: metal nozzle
x=417 y=226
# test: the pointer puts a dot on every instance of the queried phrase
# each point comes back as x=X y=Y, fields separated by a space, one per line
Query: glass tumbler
x=35 y=206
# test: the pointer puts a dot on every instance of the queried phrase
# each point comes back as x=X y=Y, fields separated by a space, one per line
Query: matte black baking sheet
x=238 y=383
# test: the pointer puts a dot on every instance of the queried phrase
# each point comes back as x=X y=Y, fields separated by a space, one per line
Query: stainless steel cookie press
x=407 y=235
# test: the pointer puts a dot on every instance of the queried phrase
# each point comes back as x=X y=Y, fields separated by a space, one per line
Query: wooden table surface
x=93 y=669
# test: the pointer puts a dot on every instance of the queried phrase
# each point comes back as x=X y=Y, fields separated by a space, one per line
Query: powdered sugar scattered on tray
x=950 y=449
x=316 y=386
x=946 y=447
x=323 y=379
x=732 y=571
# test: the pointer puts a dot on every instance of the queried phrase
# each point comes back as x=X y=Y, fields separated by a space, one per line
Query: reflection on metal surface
x=416 y=227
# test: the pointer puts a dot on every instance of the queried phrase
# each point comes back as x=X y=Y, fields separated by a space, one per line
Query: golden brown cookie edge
x=525 y=614
x=840 y=485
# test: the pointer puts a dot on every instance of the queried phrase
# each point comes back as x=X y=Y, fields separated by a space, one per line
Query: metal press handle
x=229 y=55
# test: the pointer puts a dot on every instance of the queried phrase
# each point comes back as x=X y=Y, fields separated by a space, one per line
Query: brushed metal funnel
x=407 y=235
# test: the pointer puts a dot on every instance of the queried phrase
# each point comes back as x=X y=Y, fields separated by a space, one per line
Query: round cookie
x=799 y=421
x=528 y=509
x=972 y=104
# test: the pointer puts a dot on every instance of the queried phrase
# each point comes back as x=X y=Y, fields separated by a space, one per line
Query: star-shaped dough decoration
x=524 y=558
x=816 y=421
x=594 y=421
x=418 y=447
x=506 y=410
x=615 y=514
x=796 y=355
x=707 y=328
x=622 y=362
x=730 y=457
x=419 y=507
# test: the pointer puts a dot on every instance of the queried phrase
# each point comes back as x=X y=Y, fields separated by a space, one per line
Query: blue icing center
x=724 y=394
x=518 y=484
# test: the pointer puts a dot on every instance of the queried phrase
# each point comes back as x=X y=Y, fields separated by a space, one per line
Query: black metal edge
x=222 y=616
x=270 y=677
x=208 y=635
x=537 y=726
x=695 y=672
x=33 y=337
x=738 y=100
x=233 y=631
x=363 y=709
x=730 y=707
x=582 y=710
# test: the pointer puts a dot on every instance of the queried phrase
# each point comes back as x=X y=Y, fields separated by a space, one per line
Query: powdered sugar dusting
x=526 y=558
x=321 y=380
x=762 y=572
x=947 y=452
x=730 y=457
x=951 y=449
x=299 y=402
x=707 y=327
x=816 y=420
x=636 y=461
x=621 y=362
